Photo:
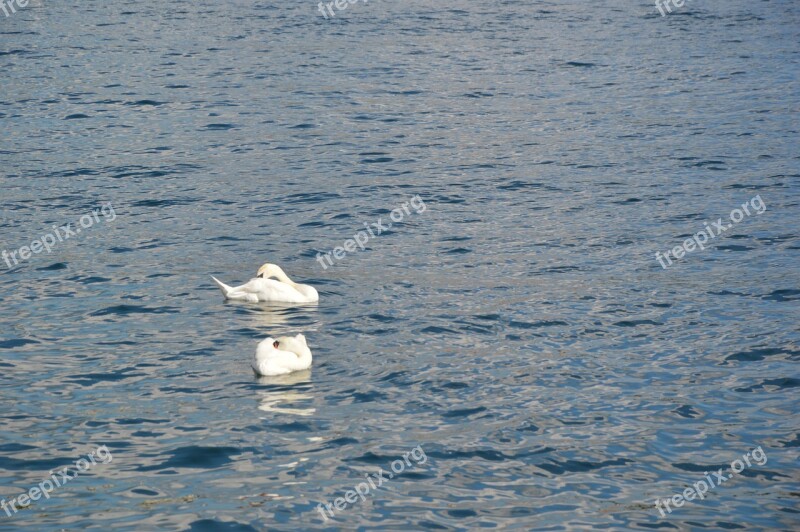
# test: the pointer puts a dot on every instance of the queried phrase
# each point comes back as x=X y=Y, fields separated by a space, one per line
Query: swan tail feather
x=226 y=290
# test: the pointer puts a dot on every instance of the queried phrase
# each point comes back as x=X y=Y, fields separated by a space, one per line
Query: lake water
x=517 y=339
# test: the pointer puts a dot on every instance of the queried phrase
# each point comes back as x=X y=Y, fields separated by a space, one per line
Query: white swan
x=281 y=356
x=264 y=289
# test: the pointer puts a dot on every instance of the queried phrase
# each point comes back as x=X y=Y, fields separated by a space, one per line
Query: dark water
x=519 y=330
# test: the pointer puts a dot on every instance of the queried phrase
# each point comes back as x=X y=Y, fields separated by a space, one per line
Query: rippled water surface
x=518 y=330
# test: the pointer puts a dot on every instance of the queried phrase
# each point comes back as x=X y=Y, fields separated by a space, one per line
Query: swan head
x=286 y=343
x=270 y=341
x=270 y=270
x=295 y=344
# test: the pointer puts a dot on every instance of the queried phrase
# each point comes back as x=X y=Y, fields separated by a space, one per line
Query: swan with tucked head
x=271 y=285
x=281 y=356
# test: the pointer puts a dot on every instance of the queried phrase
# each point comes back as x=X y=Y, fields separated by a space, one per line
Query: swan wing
x=311 y=294
x=272 y=290
x=242 y=296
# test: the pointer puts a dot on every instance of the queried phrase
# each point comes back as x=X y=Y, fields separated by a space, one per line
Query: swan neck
x=282 y=277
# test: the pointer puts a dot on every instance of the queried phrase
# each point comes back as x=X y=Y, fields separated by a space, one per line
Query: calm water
x=519 y=331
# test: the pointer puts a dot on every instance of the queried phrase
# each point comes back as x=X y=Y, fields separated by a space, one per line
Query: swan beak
x=275 y=344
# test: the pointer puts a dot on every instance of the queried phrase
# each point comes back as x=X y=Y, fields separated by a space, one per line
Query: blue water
x=519 y=331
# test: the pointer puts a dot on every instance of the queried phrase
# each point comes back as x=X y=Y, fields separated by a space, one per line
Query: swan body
x=265 y=289
x=281 y=356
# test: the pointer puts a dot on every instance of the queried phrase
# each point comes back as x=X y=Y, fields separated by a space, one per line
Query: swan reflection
x=280 y=393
